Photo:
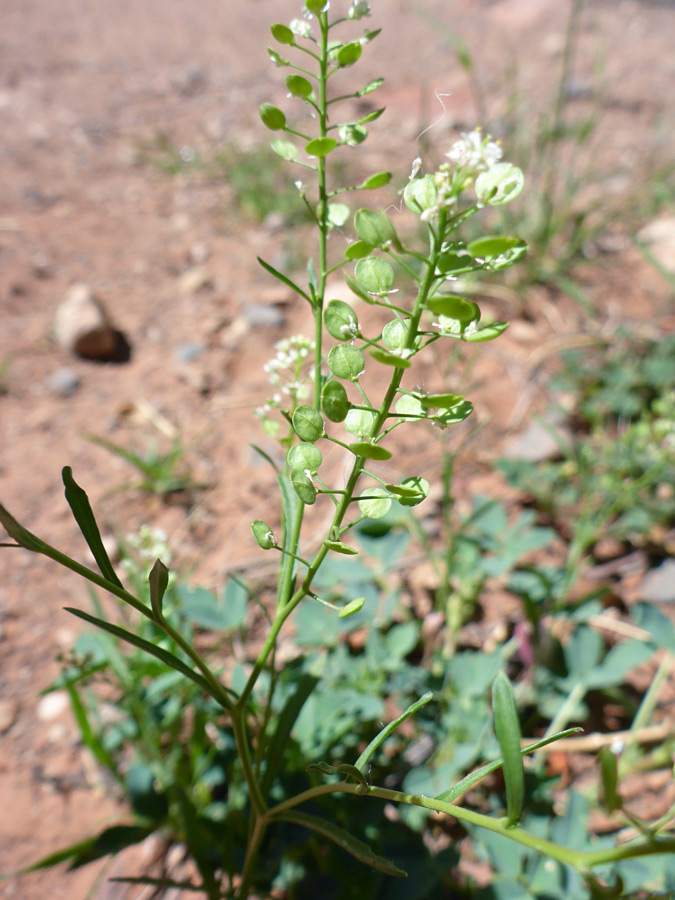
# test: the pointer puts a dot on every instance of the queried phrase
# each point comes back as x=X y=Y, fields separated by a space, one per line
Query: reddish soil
x=82 y=87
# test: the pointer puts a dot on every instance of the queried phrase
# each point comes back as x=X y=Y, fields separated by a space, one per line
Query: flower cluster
x=290 y=371
x=474 y=153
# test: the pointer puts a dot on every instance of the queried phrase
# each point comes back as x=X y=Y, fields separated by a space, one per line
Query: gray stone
x=188 y=351
x=658 y=585
x=535 y=444
x=262 y=315
x=82 y=327
x=63 y=383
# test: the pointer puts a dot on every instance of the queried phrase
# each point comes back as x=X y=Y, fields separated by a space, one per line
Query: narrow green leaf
x=345 y=769
x=110 y=841
x=344 y=839
x=158 y=652
x=283 y=279
x=507 y=729
x=276 y=748
x=391 y=727
x=84 y=516
x=159 y=581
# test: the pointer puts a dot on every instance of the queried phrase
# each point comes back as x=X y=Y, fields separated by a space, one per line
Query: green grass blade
x=89 y=739
x=84 y=516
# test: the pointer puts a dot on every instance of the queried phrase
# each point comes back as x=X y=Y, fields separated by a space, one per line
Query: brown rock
x=82 y=327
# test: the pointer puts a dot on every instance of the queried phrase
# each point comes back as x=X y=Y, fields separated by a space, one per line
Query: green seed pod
x=304 y=456
x=335 y=403
x=303 y=487
x=500 y=184
x=374 y=228
x=376 y=503
x=298 y=86
x=283 y=34
x=340 y=321
x=420 y=194
x=374 y=275
x=409 y=406
x=415 y=489
x=308 y=423
x=272 y=117
x=352 y=607
x=454 y=307
x=507 y=729
x=395 y=334
x=359 y=422
x=346 y=361
x=263 y=534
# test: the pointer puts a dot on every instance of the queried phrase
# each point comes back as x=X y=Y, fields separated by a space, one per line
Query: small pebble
x=9 y=709
x=63 y=383
x=188 y=351
x=52 y=705
x=259 y=315
x=658 y=585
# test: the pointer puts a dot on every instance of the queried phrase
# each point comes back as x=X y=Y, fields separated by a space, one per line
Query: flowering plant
x=319 y=394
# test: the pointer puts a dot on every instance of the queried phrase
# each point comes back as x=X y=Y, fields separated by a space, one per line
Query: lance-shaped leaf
x=158 y=652
x=507 y=729
x=283 y=279
x=159 y=581
x=84 y=516
x=110 y=841
x=345 y=840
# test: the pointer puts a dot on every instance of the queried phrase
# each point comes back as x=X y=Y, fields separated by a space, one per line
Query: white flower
x=358 y=10
x=474 y=153
x=300 y=27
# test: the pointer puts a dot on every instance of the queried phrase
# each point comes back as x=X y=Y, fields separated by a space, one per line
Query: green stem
x=580 y=860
